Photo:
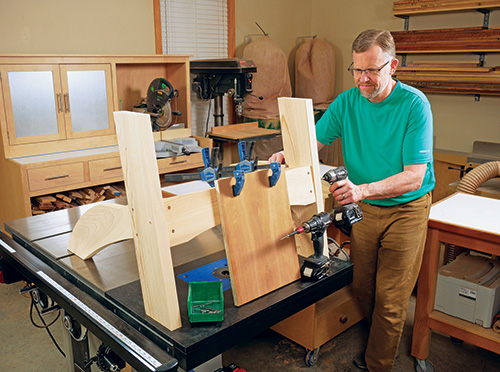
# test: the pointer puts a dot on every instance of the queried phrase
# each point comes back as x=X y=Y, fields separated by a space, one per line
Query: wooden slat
x=300 y=145
x=465 y=39
x=444 y=68
x=407 y=7
x=253 y=223
x=151 y=239
x=89 y=237
x=453 y=63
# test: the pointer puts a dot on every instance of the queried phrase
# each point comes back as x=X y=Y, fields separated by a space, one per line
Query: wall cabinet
x=55 y=102
x=56 y=121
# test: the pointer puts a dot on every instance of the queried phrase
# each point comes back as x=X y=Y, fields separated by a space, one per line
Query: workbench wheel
x=312 y=357
x=424 y=366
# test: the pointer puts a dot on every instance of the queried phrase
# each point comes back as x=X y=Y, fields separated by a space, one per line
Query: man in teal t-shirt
x=386 y=131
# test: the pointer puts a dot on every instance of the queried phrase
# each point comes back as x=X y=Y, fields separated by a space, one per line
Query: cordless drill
x=315 y=267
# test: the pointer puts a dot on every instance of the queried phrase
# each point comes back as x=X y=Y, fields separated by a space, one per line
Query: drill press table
x=108 y=287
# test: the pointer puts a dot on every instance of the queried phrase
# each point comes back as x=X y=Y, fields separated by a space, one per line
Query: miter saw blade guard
x=160 y=93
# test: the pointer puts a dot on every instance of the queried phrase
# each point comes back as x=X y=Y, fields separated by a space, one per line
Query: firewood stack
x=75 y=198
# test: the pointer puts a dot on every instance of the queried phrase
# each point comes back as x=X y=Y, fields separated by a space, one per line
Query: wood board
x=407 y=7
x=150 y=229
x=300 y=145
x=253 y=223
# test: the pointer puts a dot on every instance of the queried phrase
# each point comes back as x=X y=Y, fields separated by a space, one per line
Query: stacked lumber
x=448 y=40
x=407 y=7
x=75 y=198
x=451 y=78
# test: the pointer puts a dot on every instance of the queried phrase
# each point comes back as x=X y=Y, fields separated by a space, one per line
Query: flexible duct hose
x=472 y=180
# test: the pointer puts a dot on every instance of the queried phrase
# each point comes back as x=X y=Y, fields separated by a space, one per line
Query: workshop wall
x=126 y=27
x=283 y=20
x=459 y=120
x=77 y=27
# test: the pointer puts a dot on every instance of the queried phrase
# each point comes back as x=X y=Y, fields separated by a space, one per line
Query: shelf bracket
x=486 y=19
x=407 y=21
x=403 y=60
x=481 y=58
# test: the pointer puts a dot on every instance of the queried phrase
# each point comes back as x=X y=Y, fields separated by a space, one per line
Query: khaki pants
x=386 y=250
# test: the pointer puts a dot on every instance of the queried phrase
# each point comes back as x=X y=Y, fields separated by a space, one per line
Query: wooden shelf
x=465 y=331
x=458 y=80
x=450 y=40
x=409 y=7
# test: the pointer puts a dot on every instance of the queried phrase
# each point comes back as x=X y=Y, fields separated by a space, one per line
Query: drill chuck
x=335 y=174
x=318 y=222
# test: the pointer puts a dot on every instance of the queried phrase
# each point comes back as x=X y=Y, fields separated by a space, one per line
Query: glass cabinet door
x=33 y=102
x=88 y=100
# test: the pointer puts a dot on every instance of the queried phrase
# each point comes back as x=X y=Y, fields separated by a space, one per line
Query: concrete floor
x=26 y=348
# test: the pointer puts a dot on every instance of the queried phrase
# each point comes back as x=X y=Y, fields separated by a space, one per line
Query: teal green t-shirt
x=379 y=139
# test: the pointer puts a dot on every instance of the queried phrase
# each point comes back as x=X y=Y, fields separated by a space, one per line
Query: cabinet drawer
x=105 y=168
x=178 y=163
x=55 y=176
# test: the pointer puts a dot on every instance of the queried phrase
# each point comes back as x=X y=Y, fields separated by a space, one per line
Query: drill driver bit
x=297 y=231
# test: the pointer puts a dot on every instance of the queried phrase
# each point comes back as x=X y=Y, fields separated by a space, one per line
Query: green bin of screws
x=205 y=302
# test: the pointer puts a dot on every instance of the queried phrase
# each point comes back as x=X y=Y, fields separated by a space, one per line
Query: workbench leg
x=426 y=293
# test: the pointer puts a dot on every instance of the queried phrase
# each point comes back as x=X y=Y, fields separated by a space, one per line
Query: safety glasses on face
x=370 y=72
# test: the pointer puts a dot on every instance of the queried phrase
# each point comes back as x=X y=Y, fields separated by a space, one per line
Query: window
x=199 y=28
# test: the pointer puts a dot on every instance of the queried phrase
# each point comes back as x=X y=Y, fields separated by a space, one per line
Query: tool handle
x=215 y=157
x=242 y=150
x=251 y=146
x=205 y=153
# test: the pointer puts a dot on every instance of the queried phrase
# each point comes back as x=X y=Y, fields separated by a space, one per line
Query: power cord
x=340 y=248
x=45 y=325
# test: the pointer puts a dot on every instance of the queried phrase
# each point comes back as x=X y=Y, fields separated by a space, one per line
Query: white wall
x=77 y=27
x=459 y=120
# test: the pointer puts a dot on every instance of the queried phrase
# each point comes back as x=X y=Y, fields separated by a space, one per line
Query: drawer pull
x=66 y=101
x=111 y=169
x=59 y=102
x=178 y=162
x=56 y=177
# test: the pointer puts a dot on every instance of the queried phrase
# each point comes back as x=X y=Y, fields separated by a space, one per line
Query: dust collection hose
x=472 y=180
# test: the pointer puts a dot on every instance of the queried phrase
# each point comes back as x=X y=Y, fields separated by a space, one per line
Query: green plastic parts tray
x=205 y=302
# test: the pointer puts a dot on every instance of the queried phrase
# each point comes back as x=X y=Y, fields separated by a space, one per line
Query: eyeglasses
x=369 y=71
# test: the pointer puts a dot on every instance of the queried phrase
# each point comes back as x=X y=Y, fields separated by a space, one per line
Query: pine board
x=253 y=223
x=150 y=229
x=301 y=149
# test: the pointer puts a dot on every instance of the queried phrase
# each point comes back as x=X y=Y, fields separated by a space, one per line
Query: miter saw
x=157 y=104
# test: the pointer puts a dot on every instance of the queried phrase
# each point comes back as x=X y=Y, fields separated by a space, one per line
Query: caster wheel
x=424 y=366
x=312 y=357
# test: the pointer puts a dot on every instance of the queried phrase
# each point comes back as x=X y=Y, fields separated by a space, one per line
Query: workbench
x=467 y=221
x=104 y=294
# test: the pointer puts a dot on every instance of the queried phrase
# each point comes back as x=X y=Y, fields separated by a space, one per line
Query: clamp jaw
x=211 y=171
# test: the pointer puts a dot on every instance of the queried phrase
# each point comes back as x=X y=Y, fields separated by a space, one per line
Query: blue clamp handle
x=209 y=174
x=276 y=168
x=244 y=165
x=205 y=152
x=239 y=176
x=242 y=150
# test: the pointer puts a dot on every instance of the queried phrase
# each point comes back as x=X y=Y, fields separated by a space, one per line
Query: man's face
x=374 y=85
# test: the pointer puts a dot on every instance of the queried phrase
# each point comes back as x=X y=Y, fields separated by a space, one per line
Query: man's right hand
x=278 y=157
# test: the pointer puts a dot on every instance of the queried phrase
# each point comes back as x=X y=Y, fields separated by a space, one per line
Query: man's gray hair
x=370 y=38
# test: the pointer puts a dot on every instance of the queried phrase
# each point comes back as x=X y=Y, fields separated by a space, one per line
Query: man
x=386 y=131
